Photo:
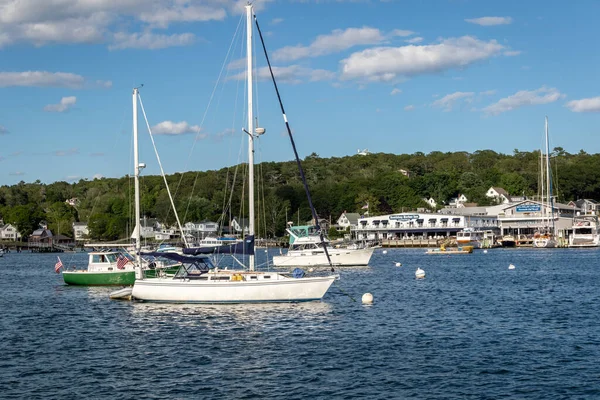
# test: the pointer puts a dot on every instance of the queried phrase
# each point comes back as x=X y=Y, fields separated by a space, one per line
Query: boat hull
x=193 y=291
x=544 y=243
x=339 y=257
x=584 y=241
x=109 y=278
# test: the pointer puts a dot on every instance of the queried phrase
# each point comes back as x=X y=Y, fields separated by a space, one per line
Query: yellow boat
x=451 y=250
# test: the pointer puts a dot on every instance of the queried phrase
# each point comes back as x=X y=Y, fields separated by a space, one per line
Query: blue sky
x=390 y=76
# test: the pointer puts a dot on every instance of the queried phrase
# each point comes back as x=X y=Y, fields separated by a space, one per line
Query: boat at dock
x=585 y=232
x=451 y=250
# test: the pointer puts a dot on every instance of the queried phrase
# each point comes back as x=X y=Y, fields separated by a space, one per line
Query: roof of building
x=352 y=217
x=501 y=191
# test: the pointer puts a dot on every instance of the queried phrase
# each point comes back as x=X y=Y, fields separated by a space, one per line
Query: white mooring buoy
x=511 y=266
x=398 y=264
x=485 y=252
x=419 y=273
x=384 y=252
x=367 y=298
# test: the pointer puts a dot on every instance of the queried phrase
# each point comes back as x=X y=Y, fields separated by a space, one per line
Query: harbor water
x=471 y=329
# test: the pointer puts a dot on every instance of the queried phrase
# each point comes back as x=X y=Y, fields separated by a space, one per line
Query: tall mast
x=136 y=168
x=548 y=181
x=250 y=130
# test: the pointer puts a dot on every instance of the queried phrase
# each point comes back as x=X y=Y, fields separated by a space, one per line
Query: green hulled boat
x=106 y=268
x=114 y=268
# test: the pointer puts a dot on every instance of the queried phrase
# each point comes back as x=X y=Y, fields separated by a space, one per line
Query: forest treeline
x=336 y=184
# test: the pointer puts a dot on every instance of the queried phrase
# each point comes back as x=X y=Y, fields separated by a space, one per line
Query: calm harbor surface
x=471 y=329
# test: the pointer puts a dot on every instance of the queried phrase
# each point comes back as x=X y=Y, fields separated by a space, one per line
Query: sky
x=388 y=76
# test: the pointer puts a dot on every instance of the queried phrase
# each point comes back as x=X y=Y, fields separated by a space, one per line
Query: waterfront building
x=417 y=225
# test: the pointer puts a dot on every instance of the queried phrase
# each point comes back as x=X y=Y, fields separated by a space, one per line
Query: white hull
x=278 y=288
x=339 y=257
x=584 y=240
x=542 y=243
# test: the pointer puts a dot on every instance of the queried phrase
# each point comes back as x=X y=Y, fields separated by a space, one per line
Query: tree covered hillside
x=336 y=184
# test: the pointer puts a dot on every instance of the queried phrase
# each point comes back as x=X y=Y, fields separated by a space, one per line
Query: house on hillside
x=587 y=206
x=500 y=195
x=80 y=230
x=431 y=201
x=8 y=232
x=347 y=220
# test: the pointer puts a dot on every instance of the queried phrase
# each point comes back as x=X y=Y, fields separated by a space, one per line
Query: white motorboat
x=585 y=232
x=306 y=248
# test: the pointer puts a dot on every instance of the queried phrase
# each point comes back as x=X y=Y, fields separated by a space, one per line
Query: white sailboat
x=546 y=237
x=198 y=281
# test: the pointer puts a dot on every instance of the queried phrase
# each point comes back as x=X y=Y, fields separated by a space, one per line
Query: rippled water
x=470 y=329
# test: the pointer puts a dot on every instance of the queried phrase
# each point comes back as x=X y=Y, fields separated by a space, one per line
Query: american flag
x=122 y=261
x=58 y=265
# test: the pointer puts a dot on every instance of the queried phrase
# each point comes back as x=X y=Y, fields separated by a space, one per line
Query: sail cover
x=245 y=247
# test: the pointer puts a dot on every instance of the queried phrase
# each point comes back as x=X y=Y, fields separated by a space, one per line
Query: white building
x=8 y=232
x=420 y=225
x=80 y=230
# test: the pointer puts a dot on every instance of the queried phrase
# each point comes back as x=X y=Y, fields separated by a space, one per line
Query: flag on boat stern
x=58 y=265
x=122 y=261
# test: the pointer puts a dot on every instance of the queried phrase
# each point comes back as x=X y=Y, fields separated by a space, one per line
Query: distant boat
x=470 y=237
x=585 y=232
x=306 y=248
x=545 y=238
x=451 y=250
x=508 y=241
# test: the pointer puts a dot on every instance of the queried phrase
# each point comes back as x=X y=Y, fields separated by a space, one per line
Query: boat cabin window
x=111 y=258
x=99 y=258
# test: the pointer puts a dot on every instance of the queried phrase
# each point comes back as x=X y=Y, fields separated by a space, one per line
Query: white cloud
x=395 y=91
x=388 y=63
x=585 y=105
x=488 y=92
x=68 y=152
x=3 y=130
x=401 y=32
x=41 y=79
x=291 y=74
x=338 y=40
x=104 y=84
x=148 y=40
x=276 y=21
x=72 y=178
x=522 y=98
x=93 y=21
x=97 y=176
x=450 y=100
x=17 y=173
x=414 y=40
x=409 y=108
x=65 y=104
x=490 y=21
x=175 y=128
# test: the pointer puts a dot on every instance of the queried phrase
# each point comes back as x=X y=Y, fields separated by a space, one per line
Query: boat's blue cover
x=246 y=247
x=298 y=273
x=174 y=256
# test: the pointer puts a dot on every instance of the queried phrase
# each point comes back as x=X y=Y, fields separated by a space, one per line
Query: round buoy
x=419 y=273
x=485 y=252
x=367 y=298
x=266 y=251
x=311 y=270
x=385 y=252
x=398 y=264
x=511 y=266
